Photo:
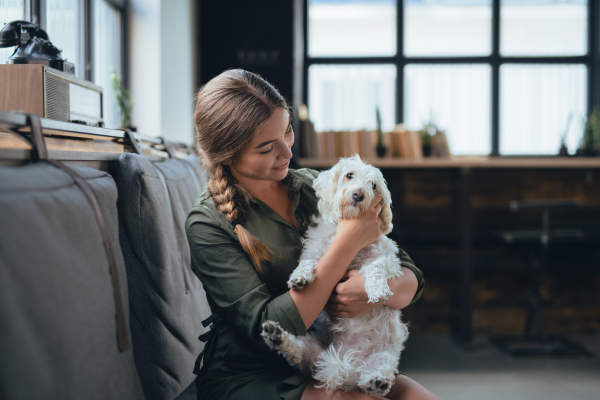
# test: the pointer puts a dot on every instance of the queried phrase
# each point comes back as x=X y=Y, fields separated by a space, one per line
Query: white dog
x=359 y=353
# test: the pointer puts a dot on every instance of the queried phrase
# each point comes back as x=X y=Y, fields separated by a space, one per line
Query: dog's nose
x=358 y=195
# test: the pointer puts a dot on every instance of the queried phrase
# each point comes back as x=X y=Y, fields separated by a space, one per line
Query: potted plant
x=590 y=142
x=381 y=149
x=564 y=151
x=124 y=101
x=427 y=135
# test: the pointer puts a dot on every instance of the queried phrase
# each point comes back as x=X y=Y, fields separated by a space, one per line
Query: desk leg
x=462 y=321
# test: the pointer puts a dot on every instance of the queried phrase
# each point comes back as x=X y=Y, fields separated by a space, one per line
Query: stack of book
x=336 y=144
x=400 y=143
x=406 y=144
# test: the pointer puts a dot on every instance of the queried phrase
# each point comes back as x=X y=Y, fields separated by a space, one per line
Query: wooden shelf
x=467 y=162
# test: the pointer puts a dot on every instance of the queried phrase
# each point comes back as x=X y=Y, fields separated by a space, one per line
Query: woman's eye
x=374 y=186
x=268 y=151
x=349 y=176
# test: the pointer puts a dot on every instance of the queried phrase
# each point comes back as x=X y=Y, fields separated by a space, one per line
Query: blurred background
x=482 y=114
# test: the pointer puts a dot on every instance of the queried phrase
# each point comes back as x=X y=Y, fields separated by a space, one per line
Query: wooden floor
x=485 y=373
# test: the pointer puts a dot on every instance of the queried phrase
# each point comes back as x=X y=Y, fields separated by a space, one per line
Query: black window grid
x=591 y=60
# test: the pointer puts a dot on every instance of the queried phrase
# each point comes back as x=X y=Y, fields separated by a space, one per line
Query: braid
x=229 y=110
x=228 y=195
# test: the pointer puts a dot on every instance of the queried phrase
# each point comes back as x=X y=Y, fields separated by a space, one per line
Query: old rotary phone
x=33 y=46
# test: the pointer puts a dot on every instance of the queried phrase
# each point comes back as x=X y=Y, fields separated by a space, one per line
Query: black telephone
x=33 y=46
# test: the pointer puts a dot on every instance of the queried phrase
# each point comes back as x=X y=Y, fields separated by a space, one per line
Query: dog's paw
x=297 y=283
x=299 y=280
x=376 y=385
x=380 y=295
x=272 y=334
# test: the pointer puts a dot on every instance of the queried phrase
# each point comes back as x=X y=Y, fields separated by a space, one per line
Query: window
x=510 y=77
x=107 y=56
x=89 y=33
x=64 y=25
x=10 y=10
x=352 y=28
x=366 y=86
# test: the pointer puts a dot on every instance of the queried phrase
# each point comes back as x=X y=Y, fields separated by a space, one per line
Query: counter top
x=468 y=162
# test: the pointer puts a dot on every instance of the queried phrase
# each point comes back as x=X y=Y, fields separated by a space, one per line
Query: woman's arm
x=349 y=298
x=352 y=235
x=404 y=288
x=311 y=300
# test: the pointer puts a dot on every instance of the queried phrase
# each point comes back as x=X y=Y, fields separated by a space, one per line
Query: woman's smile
x=283 y=166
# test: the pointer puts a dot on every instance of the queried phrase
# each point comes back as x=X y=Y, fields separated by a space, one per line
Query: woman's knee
x=405 y=388
x=313 y=393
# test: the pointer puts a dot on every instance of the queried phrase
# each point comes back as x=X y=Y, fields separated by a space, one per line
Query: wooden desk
x=462 y=321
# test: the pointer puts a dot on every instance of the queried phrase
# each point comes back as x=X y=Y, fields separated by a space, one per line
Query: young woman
x=245 y=235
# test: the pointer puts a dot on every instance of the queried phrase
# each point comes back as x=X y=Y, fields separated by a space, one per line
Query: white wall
x=161 y=62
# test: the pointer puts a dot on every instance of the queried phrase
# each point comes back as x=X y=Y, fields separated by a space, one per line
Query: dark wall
x=264 y=37
x=254 y=35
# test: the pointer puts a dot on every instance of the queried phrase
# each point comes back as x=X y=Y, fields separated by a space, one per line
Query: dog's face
x=348 y=188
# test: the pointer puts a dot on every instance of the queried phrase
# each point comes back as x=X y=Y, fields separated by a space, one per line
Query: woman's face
x=267 y=157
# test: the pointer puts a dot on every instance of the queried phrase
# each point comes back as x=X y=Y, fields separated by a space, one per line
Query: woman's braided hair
x=230 y=108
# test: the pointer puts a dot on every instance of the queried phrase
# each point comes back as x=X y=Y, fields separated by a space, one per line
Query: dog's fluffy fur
x=359 y=353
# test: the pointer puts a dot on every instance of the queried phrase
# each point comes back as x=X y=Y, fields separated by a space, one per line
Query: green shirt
x=243 y=298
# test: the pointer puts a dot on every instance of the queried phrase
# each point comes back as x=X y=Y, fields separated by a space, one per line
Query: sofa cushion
x=197 y=167
x=58 y=332
x=167 y=302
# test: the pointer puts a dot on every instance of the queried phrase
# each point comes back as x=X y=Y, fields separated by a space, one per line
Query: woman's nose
x=286 y=152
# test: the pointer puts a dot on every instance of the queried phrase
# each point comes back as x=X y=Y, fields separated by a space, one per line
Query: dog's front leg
x=303 y=274
x=376 y=275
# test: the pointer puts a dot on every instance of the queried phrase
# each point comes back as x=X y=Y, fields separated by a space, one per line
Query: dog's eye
x=350 y=175
x=374 y=186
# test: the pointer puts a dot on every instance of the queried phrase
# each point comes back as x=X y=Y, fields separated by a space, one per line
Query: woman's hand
x=363 y=230
x=349 y=298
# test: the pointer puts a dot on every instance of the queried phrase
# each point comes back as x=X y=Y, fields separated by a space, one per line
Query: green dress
x=236 y=363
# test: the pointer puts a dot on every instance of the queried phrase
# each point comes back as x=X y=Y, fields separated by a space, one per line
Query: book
x=416 y=144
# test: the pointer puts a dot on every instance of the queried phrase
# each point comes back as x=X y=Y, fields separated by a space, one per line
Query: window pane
x=345 y=97
x=351 y=28
x=107 y=56
x=64 y=20
x=456 y=98
x=535 y=104
x=543 y=27
x=447 y=27
x=10 y=10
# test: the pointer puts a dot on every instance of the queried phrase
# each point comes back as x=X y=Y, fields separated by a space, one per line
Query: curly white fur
x=359 y=353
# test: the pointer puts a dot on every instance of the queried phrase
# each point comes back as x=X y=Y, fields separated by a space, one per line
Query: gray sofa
x=167 y=301
x=59 y=337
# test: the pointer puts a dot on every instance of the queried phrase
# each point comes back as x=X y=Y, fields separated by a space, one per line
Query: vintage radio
x=50 y=93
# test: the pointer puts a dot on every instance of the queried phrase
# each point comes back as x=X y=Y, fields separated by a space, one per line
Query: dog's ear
x=386 y=212
x=326 y=183
x=386 y=218
x=325 y=186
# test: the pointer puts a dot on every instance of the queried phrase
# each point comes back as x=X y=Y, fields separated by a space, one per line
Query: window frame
x=35 y=11
x=591 y=60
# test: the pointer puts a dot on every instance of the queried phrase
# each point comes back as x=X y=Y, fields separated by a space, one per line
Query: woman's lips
x=284 y=166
